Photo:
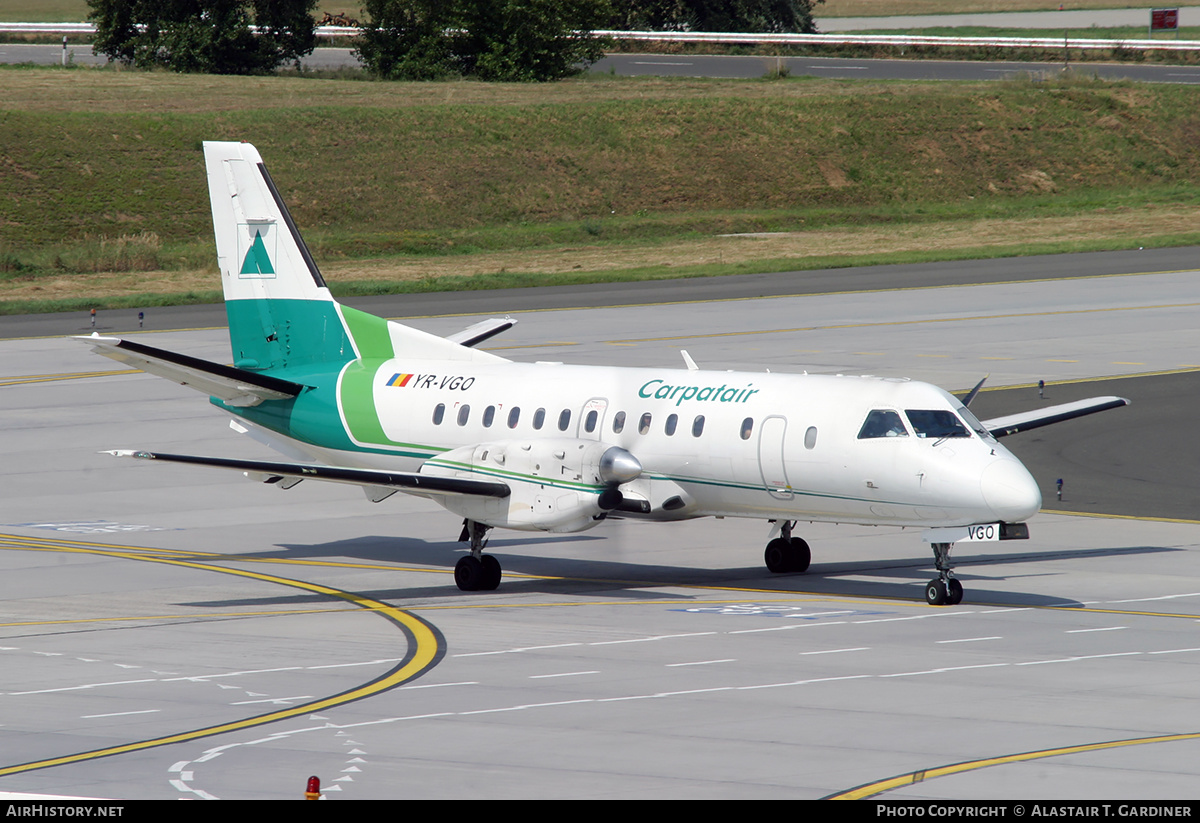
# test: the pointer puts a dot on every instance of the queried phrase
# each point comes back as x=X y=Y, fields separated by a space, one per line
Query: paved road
x=1055 y=20
x=174 y=609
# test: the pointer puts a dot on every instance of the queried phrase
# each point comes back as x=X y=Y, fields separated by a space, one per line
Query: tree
x=514 y=40
x=409 y=40
x=524 y=40
x=213 y=36
x=715 y=15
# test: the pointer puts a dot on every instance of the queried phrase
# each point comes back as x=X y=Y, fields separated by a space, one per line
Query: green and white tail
x=281 y=314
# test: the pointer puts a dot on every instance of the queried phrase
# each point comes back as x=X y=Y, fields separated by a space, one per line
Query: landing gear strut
x=786 y=553
x=477 y=571
x=944 y=590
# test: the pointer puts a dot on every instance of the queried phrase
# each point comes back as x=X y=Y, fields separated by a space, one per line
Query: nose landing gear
x=944 y=590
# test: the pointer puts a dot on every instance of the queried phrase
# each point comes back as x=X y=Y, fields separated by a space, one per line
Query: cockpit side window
x=973 y=421
x=882 y=423
x=936 y=423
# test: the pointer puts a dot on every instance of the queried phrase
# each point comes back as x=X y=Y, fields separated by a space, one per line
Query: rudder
x=280 y=310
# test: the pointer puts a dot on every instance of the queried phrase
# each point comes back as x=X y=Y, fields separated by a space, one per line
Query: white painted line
x=79 y=688
x=793 y=626
x=118 y=714
x=702 y=662
x=561 y=674
x=1163 y=597
x=838 y=651
x=971 y=639
x=947 y=669
x=650 y=639
x=518 y=650
x=1105 y=629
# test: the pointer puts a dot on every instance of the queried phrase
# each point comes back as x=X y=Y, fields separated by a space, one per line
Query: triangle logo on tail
x=257 y=261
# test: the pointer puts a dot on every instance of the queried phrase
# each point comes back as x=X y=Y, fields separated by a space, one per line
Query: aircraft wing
x=237 y=387
x=1024 y=421
x=472 y=336
x=378 y=484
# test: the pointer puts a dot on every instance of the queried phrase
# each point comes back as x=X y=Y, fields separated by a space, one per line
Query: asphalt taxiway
x=178 y=632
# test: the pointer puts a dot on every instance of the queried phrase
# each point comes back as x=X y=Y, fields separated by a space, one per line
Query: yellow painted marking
x=1161 y=373
x=879 y=787
x=1059 y=360
x=46 y=378
x=542 y=344
x=819 y=294
x=924 y=321
x=1126 y=363
x=425 y=650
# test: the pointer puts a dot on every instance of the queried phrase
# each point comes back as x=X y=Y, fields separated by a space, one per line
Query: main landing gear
x=477 y=571
x=944 y=590
x=786 y=553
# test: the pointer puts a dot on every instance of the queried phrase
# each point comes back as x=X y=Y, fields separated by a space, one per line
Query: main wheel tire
x=935 y=593
x=801 y=555
x=954 y=593
x=469 y=574
x=491 y=573
x=778 y=555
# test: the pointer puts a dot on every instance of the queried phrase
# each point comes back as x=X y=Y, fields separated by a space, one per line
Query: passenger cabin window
x=539 y=418
x=514 y=416
x=463 y=413
x=672 y=422
x=810 y=437
x=644 y=423
x=698 y=426
x=882 y=423
x=439 y=411
x=564 y=420
x=489 y=416
x=747 y=428
x=589 y=422
x=936 y=423
x=618 y=422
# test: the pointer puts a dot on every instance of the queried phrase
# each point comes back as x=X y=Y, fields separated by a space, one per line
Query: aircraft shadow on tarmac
x=596 y=576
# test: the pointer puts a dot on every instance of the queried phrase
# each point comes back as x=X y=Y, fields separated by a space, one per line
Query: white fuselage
x=776 y=446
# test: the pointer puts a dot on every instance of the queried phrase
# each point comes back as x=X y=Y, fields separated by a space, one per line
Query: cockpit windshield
x=936 y=423
x=882 y=423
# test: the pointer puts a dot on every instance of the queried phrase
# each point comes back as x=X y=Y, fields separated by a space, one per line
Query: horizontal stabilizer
x=237 y=387
x=1024 y=421
x=402 y=481
x=483 y=330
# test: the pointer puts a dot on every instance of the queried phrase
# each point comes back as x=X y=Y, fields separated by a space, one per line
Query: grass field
x=421 y=186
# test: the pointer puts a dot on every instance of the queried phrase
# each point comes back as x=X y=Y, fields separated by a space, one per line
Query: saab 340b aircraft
x=352 y=398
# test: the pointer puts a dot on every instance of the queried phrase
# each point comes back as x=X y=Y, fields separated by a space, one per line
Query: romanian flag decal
x=399 y=380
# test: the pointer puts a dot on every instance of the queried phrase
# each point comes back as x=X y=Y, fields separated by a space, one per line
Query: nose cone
x=1010 y=491
x=619 y=466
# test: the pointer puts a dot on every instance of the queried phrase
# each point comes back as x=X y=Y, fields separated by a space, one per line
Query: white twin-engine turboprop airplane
x=352 y=398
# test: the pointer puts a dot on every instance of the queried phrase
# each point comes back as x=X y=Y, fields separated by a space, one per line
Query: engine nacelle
x=558 y=485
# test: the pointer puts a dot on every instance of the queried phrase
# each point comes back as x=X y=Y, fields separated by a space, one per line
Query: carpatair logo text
x=256 y=249
x=661 y=390
x=431 y=381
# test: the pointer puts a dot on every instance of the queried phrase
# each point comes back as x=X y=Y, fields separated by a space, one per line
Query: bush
x=210 y=36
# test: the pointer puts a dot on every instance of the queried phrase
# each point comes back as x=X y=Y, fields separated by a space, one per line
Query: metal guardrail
x=902 y=40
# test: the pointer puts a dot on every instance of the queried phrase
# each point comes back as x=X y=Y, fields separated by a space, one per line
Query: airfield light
x=313 y=790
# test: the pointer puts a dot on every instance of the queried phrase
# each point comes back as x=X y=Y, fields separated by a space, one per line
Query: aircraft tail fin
x=281 y=313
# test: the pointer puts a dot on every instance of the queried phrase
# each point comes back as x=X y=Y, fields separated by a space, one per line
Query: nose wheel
x=944 y=590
